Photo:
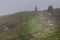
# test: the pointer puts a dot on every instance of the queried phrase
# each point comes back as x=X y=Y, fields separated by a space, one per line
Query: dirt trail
x=47 y=21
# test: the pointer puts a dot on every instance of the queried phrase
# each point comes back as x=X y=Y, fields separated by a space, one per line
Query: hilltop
x=19 y=25
x=23 y=25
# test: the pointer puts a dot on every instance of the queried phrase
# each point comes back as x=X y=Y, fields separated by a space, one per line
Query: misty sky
x=11 y=6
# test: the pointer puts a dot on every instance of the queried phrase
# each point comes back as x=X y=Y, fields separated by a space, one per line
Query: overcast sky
x=11 y=6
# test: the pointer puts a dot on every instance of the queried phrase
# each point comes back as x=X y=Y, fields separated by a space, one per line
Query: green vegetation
x=18 y=26
x=21 y=26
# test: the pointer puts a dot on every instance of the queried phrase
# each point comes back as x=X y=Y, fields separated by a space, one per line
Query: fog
x=12 y=6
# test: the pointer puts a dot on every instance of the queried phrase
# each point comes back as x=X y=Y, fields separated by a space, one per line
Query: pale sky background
x=12 y=6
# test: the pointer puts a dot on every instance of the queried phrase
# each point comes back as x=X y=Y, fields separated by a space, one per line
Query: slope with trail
x=25 y=25
x=43 y=25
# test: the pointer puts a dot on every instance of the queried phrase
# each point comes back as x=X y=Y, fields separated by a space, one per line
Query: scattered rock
x=41 y=18
x=7 y=27
x=36 y=34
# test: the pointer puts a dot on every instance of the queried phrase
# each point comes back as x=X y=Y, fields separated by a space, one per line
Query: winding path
x=47 y=21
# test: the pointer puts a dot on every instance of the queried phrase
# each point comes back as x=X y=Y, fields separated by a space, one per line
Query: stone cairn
x=50 y=12
x=50 y=17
